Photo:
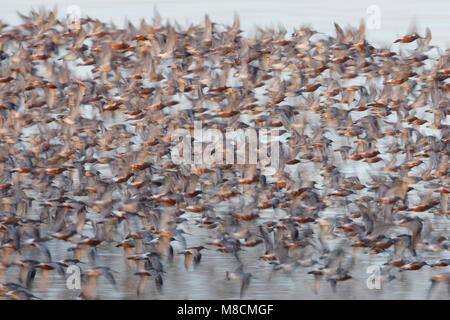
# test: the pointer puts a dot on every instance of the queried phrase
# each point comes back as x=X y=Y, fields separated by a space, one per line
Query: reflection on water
x=207 y=281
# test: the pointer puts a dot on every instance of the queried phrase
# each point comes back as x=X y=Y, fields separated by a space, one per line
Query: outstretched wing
x=197 y=258
x=235 y=28
x=339 y=33
x=316 y=285
x=188 y=260
x=158 y=282
x=432 y=287
x=141 y=285
x=245 y=284
x=108 y=275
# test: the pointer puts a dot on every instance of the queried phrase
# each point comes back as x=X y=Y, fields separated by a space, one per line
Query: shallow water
x=208 y=280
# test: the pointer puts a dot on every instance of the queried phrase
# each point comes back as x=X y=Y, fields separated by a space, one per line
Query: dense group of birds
x=87 y=114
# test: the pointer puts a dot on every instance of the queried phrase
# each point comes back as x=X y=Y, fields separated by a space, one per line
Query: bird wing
x=333 y=284
x=197 y=258
x=239 y=269
x=339 y=33
x=316 y=285
x=265 y=235
x=45 y=251
x=235 y=28
x=171 y=41
x=158 y=282
x=208 y=29
x=245 y=283
x=108 y=275
x=432 y=287
x=188 y=257
x=141 y=285
x=30 y=277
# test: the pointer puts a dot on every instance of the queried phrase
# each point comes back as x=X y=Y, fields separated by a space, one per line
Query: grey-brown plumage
x=144 y=275
x=239 y=274
x=435 y=280
x=192 y=255
x=89 y=289
x=351 y=142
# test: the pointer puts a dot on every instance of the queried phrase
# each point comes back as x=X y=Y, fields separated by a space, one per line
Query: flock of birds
x=86 y=117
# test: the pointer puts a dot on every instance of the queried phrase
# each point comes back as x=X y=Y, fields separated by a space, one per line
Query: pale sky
x=396 y=17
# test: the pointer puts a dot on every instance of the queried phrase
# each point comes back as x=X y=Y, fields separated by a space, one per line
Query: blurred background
x=396 y=17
